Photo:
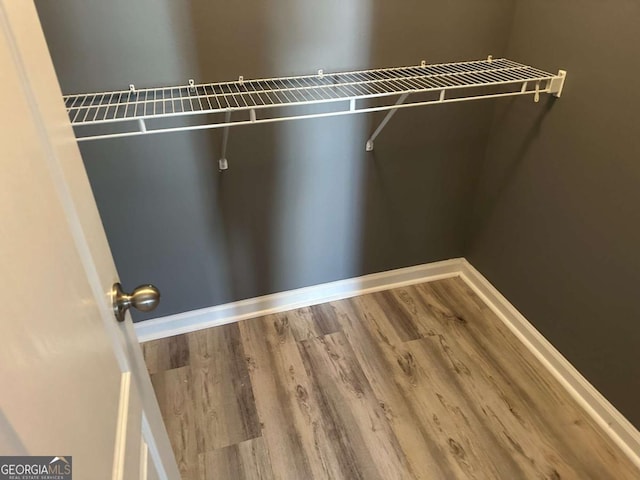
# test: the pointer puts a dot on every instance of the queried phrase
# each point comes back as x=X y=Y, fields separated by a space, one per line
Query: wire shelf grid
x=454 y=82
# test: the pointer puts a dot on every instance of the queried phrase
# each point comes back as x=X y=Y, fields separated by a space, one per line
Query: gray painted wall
x=557 y=223
x=302 y=203
x=552 y=221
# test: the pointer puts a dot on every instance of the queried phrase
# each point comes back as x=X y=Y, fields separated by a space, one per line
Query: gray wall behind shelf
x=556 y=225
x=543 y=199
x=302 y=203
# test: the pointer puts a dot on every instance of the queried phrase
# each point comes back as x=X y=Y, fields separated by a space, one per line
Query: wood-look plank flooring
x=420 y=382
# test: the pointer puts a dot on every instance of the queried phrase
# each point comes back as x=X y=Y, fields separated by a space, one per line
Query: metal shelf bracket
x=383 y=123
x=223 y=164
x=556 y=84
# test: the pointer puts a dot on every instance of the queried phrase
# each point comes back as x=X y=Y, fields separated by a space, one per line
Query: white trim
x=120 y=448
x=301 y=297
x=612 y=422
x=153 y=451
x=144 y=460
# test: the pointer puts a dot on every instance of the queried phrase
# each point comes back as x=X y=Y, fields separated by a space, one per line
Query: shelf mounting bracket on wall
x=223 y=164
x=557 y=83
x=383 y=123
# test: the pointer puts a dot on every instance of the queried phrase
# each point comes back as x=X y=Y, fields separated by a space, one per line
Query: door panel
x=129 y=431
x=52 y=350
x=63 y=354
x=147 y=466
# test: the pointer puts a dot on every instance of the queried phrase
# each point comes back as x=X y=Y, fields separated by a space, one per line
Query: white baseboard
x=302 y=297
x=613 y=423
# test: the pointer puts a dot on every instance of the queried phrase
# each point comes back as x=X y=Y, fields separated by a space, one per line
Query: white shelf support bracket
x=557 y=83
x=142 y=125
x=223 y=164
x=383 y=123
x=192 y=85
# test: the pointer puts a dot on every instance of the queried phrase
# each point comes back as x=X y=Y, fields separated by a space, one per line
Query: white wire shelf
x=147 y=111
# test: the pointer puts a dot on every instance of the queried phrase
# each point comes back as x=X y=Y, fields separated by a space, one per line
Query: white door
x=72 y=379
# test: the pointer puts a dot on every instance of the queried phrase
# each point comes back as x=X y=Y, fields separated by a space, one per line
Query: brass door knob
x=144 y=298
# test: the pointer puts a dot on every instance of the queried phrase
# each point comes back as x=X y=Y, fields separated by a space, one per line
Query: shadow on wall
x=491 y=190
x=290 y=202
x=420 y=179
